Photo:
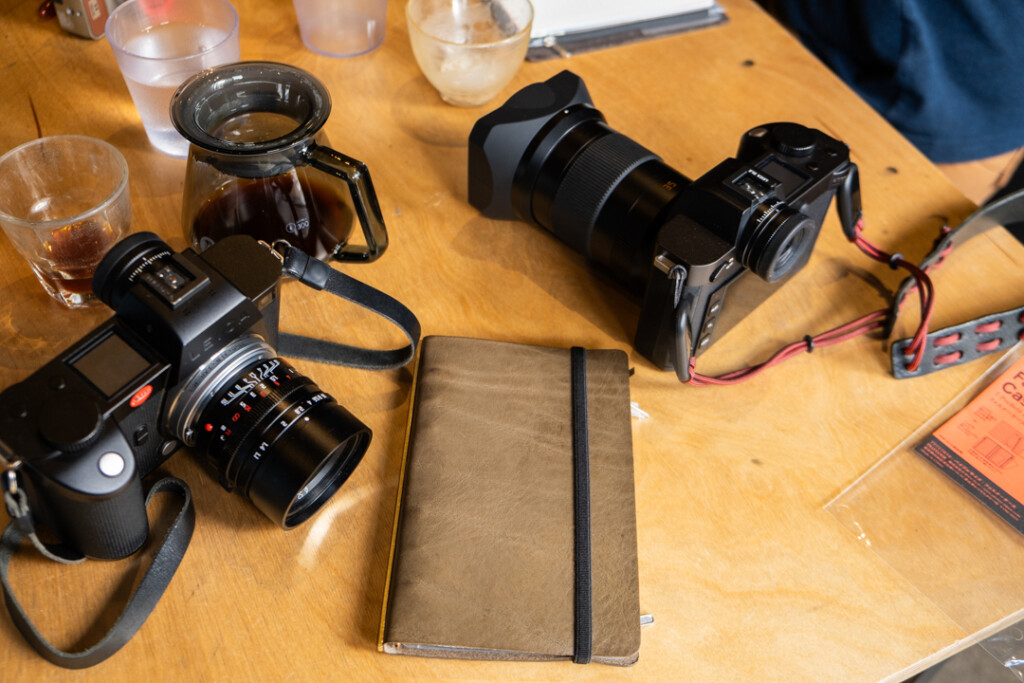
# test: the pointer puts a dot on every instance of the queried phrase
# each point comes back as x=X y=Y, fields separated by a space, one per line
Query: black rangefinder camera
x=547 y=157
x=187 y=359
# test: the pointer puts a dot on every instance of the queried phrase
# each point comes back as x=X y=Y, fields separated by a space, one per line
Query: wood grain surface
x=746 y=574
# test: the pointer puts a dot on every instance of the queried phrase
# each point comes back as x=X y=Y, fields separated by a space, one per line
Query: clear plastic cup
x=469 y=49
x=63 y=203
x=341 y=28
x=158 y=45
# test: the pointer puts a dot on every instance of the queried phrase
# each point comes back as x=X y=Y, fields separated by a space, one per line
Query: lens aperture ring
x=241 y=410
x=588 y=183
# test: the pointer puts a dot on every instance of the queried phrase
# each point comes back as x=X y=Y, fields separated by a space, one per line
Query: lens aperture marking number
x=256 y=379
x=245 y=421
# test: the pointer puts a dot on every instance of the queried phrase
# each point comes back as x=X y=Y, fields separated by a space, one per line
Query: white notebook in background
x=564 y=27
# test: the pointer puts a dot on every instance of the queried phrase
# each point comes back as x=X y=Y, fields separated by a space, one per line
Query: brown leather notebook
x=482 y=560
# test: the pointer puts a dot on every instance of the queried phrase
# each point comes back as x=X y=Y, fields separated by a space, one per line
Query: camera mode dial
x=793 y=140
x=69 y=422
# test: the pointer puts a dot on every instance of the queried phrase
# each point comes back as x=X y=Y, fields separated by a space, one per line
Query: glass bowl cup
x=64 y=202
x=469 y=49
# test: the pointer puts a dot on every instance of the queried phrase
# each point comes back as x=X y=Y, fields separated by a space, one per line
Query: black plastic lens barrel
x=598 y=191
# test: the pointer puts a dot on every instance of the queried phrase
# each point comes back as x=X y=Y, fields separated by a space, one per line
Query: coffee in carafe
x=310 y=214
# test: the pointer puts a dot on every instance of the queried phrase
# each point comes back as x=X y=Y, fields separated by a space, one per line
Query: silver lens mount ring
x=191 y=400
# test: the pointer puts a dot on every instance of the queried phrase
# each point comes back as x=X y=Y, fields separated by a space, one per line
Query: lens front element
x=279 y=440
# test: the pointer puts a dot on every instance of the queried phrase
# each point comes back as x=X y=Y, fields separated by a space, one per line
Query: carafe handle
x=357 y=176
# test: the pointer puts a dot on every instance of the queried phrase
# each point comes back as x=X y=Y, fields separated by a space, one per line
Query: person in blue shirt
x=948 y=74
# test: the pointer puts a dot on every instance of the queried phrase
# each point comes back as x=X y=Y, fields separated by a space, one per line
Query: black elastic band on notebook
x=584 y=622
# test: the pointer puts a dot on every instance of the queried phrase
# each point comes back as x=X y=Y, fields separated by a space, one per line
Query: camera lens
x=270 y=432
x=548 y=157
x=779 y=235
x=601 y=193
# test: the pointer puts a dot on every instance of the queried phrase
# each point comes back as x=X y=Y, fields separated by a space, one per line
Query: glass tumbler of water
x=63 y=203
x=469 y=49
x=158 y=45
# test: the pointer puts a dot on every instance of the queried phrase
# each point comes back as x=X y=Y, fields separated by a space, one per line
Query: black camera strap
x=319 y=275
x=143 y=599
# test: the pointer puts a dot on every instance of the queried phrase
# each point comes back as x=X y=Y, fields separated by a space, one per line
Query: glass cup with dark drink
x=63 y=203
x=259 y=164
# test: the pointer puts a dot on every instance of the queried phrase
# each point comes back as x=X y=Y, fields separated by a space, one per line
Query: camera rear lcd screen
x=110 y=365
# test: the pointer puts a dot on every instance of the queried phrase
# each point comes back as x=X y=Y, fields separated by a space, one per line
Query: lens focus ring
x=588 y=183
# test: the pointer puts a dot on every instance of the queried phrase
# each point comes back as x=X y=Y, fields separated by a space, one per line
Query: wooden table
x=747 y=576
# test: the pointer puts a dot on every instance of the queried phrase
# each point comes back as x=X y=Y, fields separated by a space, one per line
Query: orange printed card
x=982 y=446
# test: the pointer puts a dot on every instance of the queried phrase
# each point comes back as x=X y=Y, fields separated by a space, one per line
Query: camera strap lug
x=315 y=273
x=682 y=341
x=848 y=202
x=10 y=478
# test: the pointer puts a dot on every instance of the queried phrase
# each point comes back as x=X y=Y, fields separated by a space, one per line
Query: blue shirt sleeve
x=948 y=74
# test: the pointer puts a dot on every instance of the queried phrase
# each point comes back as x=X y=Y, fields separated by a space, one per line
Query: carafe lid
x=250 y=108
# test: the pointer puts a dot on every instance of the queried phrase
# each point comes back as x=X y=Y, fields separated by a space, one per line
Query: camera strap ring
x=139 y=606
x=319 y=275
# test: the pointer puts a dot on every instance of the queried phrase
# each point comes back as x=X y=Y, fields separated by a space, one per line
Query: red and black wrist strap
x=967 y=341
x=926 y=351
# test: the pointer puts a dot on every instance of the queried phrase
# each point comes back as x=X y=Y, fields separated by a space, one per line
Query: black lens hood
x=500 y=139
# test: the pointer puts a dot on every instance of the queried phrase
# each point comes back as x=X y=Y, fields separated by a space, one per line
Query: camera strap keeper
x=319 y=275
x=143 y=599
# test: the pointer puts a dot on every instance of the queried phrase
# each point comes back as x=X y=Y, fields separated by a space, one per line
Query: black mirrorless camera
x=188 y=358
x=547 y=157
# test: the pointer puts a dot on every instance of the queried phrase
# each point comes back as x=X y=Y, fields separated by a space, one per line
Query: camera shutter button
x=70 y=422
x=793 y=139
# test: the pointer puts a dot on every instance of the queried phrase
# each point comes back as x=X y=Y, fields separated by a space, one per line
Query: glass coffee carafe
x=259 y=164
